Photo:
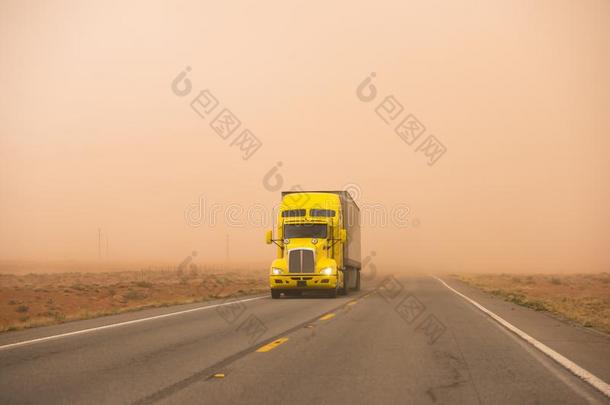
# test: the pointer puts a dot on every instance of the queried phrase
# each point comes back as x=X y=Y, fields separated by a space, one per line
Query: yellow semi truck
x=318 y=244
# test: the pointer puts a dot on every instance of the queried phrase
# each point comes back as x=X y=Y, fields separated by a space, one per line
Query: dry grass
x=582 y=298
x=43 y=299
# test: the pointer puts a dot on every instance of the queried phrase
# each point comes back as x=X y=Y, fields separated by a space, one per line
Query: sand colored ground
x=41 y=299
x=581 y=298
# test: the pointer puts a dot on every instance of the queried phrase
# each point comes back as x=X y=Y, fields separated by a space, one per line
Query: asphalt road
x=413 y=341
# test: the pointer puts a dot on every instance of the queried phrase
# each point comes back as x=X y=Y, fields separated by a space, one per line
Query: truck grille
x=301 y=261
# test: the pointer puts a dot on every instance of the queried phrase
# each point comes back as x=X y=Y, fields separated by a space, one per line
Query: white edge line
x=568 y=364
x=114 y=325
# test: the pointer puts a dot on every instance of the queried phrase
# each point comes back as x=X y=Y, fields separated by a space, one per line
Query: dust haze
x=93 y=137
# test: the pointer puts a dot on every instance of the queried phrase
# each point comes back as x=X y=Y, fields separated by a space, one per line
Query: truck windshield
x=305 y=231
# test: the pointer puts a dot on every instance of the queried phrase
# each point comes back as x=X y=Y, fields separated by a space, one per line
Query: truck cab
x=312 y=245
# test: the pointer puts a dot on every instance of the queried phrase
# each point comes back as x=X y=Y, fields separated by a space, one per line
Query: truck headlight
x=276 y=272
x=327 y=271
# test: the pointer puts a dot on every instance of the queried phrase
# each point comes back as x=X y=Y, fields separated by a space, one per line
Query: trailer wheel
x=345 y=289
x=275 y=294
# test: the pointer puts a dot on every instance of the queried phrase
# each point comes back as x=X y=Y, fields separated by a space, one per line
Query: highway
x=406 y=340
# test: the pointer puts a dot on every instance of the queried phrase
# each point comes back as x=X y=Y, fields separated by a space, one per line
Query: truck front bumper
x=303 y=282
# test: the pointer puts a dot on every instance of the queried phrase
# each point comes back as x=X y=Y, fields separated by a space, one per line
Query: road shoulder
x=588 y=348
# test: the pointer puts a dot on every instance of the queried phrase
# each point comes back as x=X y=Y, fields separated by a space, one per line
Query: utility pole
x=99 y=243
x=107 y=246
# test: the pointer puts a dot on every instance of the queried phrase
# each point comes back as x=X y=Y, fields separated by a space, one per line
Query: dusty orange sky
x=92 y=135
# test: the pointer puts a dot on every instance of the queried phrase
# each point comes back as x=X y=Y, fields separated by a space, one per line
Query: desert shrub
x=22 y=308
x=59 y=317
x=143 y=284
x=535 y=305
x=498 y=291
x=134 y=295
x=518 y=299
x=555 y=280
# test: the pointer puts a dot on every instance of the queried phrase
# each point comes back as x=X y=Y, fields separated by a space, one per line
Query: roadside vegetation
x=581 y=298
x=31 y=300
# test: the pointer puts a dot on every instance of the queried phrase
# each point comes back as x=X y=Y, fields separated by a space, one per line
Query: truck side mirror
x=343 y=235
x=269 y=237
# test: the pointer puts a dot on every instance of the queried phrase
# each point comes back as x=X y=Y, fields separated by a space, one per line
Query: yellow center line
x=327 y=317
x=272 y=345
x=349 y=304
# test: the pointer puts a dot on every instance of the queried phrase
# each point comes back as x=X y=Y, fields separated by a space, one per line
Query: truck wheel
x=345 y=289
x=275 y=294
x=357 y=280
